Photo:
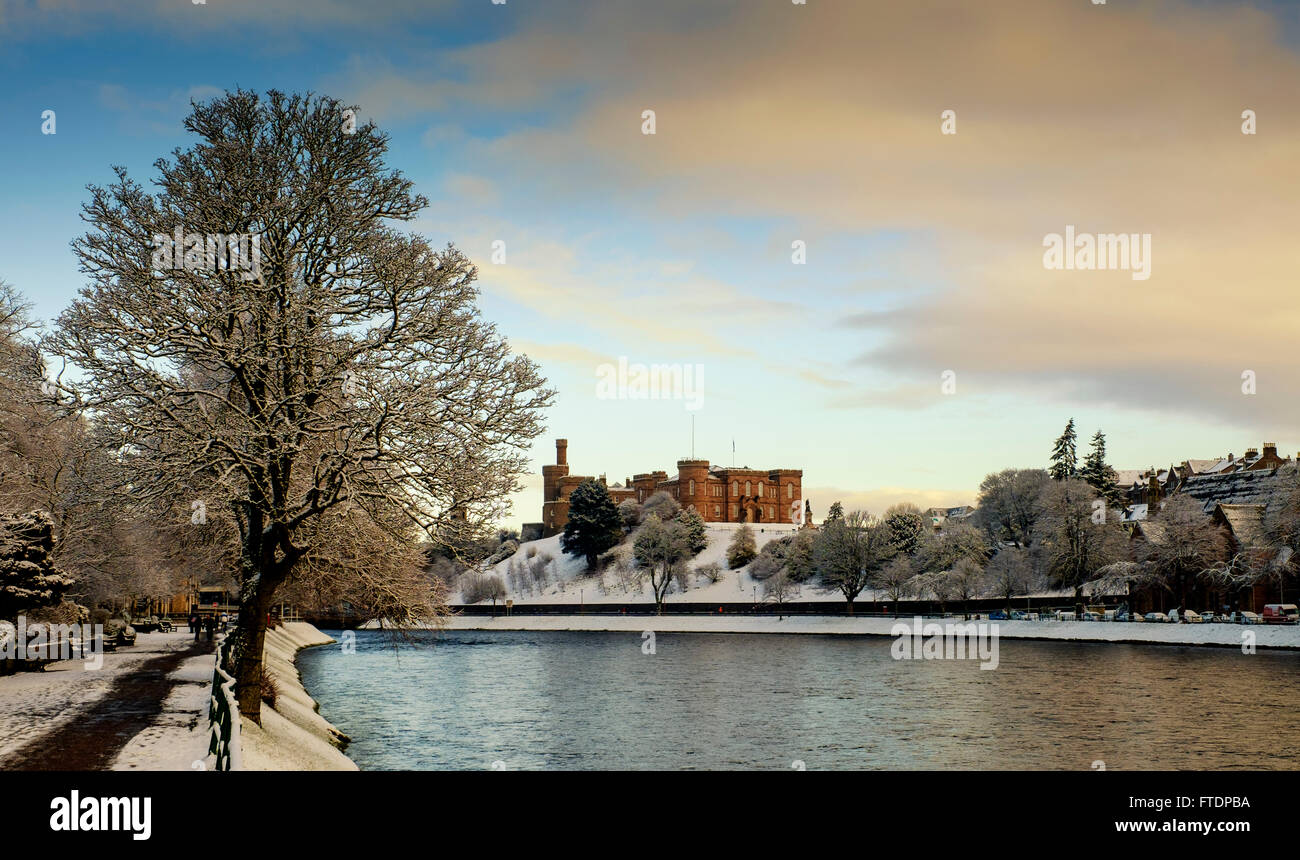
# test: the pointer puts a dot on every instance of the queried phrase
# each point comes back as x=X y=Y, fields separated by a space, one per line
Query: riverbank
x=1221 y=635
x=293 y=734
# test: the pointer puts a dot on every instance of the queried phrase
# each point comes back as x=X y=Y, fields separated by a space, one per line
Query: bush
x=477 y=587
x=662 y=505
x=712 y=571
x=270 y=692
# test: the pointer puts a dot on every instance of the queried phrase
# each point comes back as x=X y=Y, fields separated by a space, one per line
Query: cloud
x=1111 y=118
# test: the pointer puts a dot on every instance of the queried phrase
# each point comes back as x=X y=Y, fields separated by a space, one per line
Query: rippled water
x=550 y=700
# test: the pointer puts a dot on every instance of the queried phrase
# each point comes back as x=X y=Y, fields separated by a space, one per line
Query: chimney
x=561 y=452
x=1251 y=453
x=1270 y=449
x=1231 y=459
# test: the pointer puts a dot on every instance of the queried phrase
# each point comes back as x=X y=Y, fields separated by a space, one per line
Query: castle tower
x=693 y=486
x=555 y=511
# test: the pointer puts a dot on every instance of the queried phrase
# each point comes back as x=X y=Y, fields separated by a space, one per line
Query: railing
x=223 y=713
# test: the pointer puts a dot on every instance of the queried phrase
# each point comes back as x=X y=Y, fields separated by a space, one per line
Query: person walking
x=210 y=626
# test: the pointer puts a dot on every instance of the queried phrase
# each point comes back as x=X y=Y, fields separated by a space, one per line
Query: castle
x=719 y=494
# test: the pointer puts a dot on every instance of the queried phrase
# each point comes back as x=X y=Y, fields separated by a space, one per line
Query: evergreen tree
x=742 y=549
x=1065 y=463
x=28 y=577
x=835 y=514
x=594 y=523
x=697 y=537
x=906 y=525
x=1100 y=476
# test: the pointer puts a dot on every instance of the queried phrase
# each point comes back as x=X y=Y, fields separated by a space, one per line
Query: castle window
x=760 y=488
x=749 y=488
x=735 y=488
x=692 y=486
x=733 y=511
x=717 y=510
x=789 y=491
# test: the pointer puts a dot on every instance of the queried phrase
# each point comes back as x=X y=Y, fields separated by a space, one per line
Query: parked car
x=1281 y=613
x=1089 y=615
x=997 y=616
x=1155 y=616
x=1190 y=616
x=1246 y=618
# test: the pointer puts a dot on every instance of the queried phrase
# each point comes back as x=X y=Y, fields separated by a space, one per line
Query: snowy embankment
x=1266 y=636
x=563 y=578
x=293 y=735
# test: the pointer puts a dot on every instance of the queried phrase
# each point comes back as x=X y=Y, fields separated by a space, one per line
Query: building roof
x=1245 y=521
x=1267 y=487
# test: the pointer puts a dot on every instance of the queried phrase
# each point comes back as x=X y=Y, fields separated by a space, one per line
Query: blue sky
x=775 y=123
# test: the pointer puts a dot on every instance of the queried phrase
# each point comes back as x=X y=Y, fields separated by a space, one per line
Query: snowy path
x=145 y=707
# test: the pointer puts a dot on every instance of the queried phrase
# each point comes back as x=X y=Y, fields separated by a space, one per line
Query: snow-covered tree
x=1064 y=459
x=697 y=536
x=1099 y=475
x=346 y=364
x=661 y=549
x=1008 y=504
x=28 y=576
x=849 y=551
x=662 y=505
x=594 y=524
x=906 y=526
x=1009 y=574
x=896 y=579
x=742 y=549
x=1073 y=539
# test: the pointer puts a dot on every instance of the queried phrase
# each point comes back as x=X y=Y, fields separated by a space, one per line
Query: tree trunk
x=248 y=651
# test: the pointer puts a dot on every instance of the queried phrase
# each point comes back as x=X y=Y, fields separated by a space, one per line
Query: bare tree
x=895 y=579
x=348 y=366
x=660 y=549
x=850 y=550
x=1010 y=574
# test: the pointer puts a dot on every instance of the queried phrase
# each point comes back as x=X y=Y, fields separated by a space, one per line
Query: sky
x=857 y=293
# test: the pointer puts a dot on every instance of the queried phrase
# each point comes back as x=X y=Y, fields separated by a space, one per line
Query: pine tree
x=594 y=523
x=1099 y=475
x=742 y=549
x=28 y=577
x=835 y=513
x=697 y=537
x=1064 y=460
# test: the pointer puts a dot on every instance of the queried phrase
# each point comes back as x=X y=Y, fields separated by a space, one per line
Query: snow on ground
x=1266 y=636
x=178 y=737
x=293 y=735
x=33 y=704
x=567 y=580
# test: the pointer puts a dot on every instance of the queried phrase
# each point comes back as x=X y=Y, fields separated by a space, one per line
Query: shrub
x=742 y=549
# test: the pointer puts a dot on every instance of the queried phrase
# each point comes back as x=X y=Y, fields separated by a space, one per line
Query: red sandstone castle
x=720 y=494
